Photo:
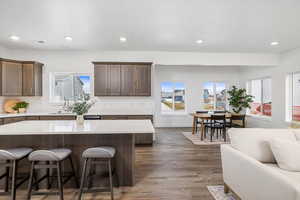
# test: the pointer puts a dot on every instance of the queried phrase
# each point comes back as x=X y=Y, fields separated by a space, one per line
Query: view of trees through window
x=261 y=90
x=172 y=97
x=214 y=96
x=71 y=87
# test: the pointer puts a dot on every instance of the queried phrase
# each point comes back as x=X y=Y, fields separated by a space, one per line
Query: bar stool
x=97 y=155
x=50 y=159
x=11 y=158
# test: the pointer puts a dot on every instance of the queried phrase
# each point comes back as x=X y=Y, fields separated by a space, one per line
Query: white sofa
x=250 y=170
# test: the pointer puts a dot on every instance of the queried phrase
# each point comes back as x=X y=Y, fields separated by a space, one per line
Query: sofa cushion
x=293 y=177
x=286 y=153
x=297 y=133
x=255 y=141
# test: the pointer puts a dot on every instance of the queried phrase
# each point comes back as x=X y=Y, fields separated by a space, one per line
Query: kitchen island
x=67 y=134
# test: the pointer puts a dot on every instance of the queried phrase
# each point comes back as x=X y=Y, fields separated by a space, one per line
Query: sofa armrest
x=252 y=180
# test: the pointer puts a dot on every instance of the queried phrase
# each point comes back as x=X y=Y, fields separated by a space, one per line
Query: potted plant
x=80 y=108
x=239 y=100
x=21 y=107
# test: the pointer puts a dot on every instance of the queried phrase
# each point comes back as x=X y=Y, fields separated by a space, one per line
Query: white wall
x=3 y=52
x=288 y=62
x=193 y=77
x=80 y=62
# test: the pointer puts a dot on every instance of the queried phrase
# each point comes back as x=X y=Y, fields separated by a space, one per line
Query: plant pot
x=22 y=110
x=79 y=120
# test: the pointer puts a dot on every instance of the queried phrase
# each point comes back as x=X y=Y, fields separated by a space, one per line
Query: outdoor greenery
x=21 y=104
x=239 y=99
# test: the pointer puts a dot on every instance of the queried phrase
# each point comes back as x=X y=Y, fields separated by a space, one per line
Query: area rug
x=196 y=139
x=218 y=193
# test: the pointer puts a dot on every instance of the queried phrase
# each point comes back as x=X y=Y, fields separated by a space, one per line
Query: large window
x=214 y=96
x=70 y=87
x=172 y=97
x=293 y=97
x=261 y=90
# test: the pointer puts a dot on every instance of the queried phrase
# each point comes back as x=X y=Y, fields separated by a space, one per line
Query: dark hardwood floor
x=171 y=169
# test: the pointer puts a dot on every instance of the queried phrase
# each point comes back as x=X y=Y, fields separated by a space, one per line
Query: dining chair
x=217 y=123
x=199 y=122
x=234 y=118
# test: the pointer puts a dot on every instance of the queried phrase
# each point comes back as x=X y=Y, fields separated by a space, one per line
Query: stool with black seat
x=10 y=159
x=217 y=123
x=96 y=156
x=50 y=159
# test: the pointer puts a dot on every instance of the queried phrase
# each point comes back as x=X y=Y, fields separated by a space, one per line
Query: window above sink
x=69 y=87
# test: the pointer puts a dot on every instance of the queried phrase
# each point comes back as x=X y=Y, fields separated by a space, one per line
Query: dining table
x=204 y=117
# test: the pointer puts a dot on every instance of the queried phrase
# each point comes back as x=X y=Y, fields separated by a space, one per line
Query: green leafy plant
x=239 y=99
x=21 y=104
x=80 y=108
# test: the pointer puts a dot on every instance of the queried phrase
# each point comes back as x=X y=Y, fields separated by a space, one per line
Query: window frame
x=173 y=111
x=290 y=97
x=52 y=84
x=249 y=91
x=215 y=94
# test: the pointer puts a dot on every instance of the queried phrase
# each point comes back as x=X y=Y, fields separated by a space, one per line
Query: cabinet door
x=11 y=79
x=28 y=80
x=101 y=80
x=38 y=79
x=128 y=81
x=143 y=80
x=115 y=80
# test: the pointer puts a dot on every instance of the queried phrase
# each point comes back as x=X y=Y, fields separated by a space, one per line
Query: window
x=293 y=97
x=172 y=97
x=214 y=96
x=261 y=90
x=70 y=87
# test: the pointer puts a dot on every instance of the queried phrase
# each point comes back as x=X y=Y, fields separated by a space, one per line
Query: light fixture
x=14 y=37
x=274 y=43
x=199 y=41
x=68 y=38
x=41 y=41
x=123 y=39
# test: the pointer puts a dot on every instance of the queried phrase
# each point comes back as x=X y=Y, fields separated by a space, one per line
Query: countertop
x=6 y=115
x=69 y=127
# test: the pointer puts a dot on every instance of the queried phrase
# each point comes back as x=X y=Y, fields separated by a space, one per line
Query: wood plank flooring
x=171 y=169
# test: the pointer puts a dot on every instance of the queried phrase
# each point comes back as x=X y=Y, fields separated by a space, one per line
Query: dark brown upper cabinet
x=20 y=78
x=122 y=79
x=32 y=79
x=107 y=80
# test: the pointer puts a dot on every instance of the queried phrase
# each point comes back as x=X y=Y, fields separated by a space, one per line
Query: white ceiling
x=158 y=25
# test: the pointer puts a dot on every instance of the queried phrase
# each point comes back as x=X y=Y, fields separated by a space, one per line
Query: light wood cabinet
x=11 y=78
x=32 y=79
x=122 y=79
x=20 y=78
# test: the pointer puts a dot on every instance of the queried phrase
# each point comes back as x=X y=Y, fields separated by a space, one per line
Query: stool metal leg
x=30 y=181
x=110 y=181
x=48 y=176
x=83 y=177
x=6 y=178
x=14 y=177
x=59 y=181
x=73 y=172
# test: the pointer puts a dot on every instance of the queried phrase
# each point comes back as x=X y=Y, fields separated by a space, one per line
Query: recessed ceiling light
x=274 y=43
x=14 y=37
x=123 y=39
x=199 y=41
x=68 y=38
x=41 y=41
